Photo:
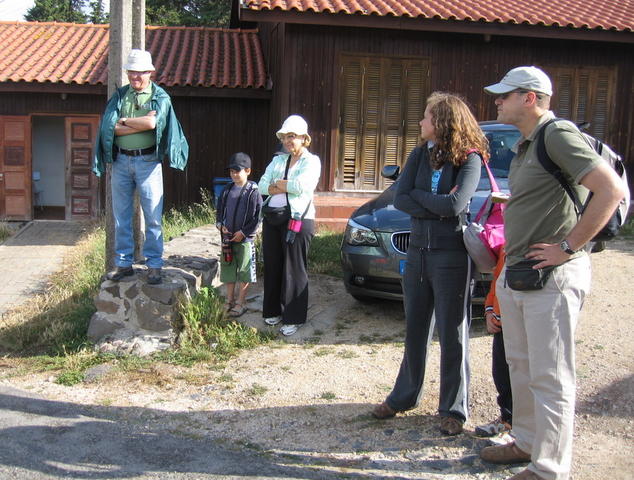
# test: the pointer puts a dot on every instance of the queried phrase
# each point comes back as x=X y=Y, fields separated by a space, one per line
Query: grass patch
x=328 y=396
x=180 y=220
x=207 y=332
x=49 y=331
x=5 y=231
x=323 y=256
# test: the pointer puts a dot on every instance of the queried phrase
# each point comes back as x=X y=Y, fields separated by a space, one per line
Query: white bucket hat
x=139 y=61
x=528 y=78
x=294 y=124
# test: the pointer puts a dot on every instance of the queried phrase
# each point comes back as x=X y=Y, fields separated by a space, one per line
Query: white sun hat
x=528 y=78
x=139 y=61
x=294 y=124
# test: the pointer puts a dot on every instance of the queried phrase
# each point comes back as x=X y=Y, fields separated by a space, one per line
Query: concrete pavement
x=29 y=258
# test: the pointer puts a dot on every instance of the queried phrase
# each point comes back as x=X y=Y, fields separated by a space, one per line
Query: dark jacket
x=247 y=211
x=170 y=138
x=437 y=218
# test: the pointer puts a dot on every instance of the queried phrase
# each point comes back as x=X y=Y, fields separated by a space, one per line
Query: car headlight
x=357 y=234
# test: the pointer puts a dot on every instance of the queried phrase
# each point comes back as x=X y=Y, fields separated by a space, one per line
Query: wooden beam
x=436 y=25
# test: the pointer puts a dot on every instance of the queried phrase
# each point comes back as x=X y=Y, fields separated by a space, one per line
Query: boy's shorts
x=242 y=267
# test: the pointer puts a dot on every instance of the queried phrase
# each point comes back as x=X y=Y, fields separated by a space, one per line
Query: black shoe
x=154 y=276
x=119 y=272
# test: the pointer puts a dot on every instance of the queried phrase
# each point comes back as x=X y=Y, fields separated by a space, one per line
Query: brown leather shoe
x=504 y=454
x=525 y=475
x=450 y=425
x=383 y=411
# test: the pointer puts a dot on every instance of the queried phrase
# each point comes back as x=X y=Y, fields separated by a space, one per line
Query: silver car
x=375 y=242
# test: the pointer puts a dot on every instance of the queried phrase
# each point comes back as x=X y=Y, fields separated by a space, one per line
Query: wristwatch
x=565 y=246
x=123 y=120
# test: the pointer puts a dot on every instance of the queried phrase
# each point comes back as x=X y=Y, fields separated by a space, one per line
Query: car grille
x=400 y=242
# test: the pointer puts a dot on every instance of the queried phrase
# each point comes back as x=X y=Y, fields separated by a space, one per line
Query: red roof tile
x=183 y=56
x=593 y=14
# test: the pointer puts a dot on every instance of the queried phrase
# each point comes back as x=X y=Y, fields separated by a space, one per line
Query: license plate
x=401 y=266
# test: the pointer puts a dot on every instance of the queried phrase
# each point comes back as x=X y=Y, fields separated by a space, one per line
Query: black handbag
x=522 y=276
x=276 y=216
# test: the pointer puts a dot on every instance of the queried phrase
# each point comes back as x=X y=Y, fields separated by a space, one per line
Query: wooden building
x=360 y=72
x=53 y=90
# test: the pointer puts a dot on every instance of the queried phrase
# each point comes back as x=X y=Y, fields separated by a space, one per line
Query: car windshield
x=500 y=143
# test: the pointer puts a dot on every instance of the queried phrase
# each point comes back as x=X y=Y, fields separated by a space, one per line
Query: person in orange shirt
x=500 y=368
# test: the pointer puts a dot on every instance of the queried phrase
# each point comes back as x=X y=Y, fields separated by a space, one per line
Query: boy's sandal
x=229 y=306
x=237 y=310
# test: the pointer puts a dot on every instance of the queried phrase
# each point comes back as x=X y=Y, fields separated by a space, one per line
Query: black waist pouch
x=276 y=216
x=522 y=276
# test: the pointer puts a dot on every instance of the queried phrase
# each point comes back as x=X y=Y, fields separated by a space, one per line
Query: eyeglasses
x=506 y=95
x=291 y=136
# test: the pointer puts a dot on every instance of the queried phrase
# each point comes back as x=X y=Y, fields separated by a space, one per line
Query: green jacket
x=170 y=138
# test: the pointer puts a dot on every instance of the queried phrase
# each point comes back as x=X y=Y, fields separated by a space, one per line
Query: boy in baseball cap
x=238 y=216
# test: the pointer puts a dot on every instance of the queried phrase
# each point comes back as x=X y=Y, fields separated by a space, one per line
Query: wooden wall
x=215 y=128
x=459 y=63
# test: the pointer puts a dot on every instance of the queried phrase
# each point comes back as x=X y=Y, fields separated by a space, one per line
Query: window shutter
x=381 y=102
x=585 y=94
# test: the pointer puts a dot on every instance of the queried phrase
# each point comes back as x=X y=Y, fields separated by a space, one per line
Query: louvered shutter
x=585 y=94
x=381 y=102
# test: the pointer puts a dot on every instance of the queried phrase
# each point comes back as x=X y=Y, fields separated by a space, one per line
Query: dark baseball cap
x=239 y=160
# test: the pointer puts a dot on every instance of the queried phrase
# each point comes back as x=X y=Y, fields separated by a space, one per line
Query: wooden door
x=15 y=168
x=82 y=186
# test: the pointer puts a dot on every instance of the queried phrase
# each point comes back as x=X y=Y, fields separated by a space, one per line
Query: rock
x=101 y=325
x=136 y=317
x=95 y=373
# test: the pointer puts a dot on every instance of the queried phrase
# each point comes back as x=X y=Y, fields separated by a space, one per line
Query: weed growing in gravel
x=323 y=351
x=207 y=332
x=328 y=396
x=257 y=390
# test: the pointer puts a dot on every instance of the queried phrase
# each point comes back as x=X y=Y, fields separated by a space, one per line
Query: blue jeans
x=145 y=173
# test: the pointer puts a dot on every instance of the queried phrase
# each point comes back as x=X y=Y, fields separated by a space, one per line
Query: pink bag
x=484 y=237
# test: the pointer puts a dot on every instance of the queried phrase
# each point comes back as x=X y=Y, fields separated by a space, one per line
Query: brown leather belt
x=137 y=152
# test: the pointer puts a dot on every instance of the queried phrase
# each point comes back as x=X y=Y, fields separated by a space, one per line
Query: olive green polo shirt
x=136 y=104
x=539 y=210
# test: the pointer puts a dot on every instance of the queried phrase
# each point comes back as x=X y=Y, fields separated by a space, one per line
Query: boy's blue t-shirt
x=238 y=213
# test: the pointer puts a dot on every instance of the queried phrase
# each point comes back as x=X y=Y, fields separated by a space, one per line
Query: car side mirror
x=391 y=171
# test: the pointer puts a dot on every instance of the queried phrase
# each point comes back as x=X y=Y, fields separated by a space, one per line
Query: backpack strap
x=552 y=168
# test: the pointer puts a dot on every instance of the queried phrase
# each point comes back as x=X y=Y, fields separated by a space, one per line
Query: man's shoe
x=383 y=411
x=525 y=475
x=119 y=272
x=451 y=425
x=491 y=429
x=154 y=276
x=504 y=454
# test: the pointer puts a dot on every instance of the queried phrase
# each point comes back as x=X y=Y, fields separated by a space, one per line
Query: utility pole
x=127 y=31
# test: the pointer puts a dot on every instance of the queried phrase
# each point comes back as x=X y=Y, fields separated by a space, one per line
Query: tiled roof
x=592 y=14
x=182 y=56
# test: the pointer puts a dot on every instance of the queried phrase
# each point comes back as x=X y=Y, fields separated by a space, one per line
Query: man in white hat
x=541 y=225
x=138 y=129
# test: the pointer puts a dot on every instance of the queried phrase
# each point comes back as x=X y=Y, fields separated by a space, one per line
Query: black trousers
x=501 y=378
x=436 y=284
x=285 y=273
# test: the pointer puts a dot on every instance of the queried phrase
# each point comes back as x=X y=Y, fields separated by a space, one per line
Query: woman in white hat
x=288 y=227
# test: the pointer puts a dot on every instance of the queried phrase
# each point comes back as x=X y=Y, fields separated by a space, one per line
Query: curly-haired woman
x=439 y=179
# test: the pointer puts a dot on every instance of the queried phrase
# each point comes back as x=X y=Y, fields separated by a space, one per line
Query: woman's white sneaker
x=272 y=320
x=288 y=330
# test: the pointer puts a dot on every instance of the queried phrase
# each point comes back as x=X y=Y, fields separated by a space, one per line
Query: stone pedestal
x=136 y=317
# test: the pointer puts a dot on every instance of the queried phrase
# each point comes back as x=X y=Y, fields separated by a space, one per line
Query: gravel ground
x=307 y=400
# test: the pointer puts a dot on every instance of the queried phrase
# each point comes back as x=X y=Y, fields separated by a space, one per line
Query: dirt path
x=307 y=403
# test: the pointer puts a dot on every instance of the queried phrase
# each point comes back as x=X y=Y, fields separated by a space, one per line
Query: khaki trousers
x=539 y=328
